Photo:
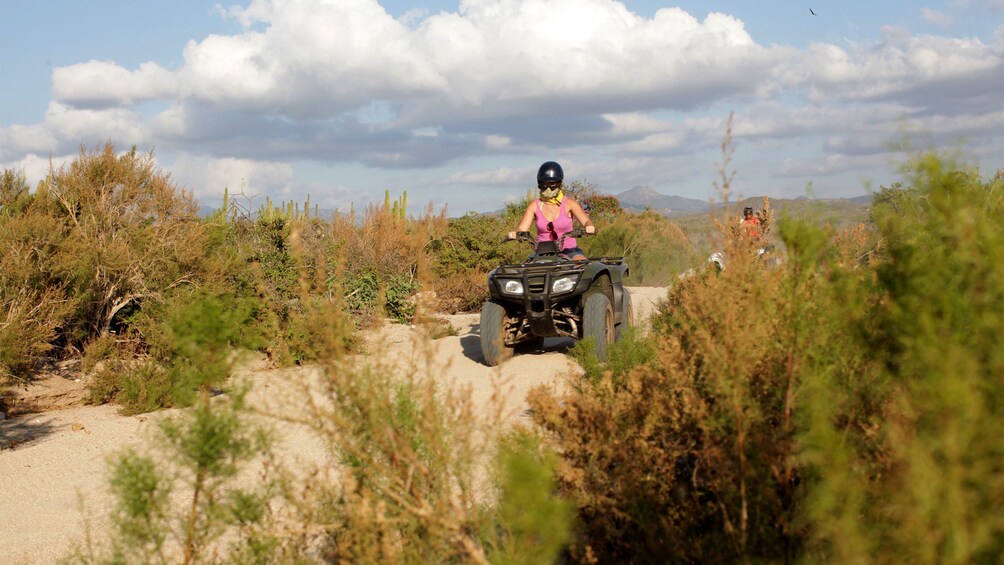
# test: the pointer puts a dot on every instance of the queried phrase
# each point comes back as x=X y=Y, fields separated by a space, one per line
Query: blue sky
x=459 y=102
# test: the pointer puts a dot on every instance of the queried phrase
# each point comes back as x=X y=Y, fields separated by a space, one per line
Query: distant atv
x=549 y=295
x=765 y=255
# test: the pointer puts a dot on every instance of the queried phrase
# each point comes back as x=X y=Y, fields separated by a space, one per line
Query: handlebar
x=527 y=237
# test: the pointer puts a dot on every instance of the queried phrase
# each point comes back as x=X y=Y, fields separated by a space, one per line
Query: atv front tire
x=598 y=322
x=493 y=347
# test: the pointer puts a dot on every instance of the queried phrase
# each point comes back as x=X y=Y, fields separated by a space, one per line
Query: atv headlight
x=564 y=284
x=512 y=287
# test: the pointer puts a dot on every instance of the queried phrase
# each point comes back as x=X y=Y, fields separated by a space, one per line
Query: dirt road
x=58 y=463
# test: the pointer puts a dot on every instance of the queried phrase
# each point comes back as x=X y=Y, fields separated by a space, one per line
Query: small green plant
x=530 y=523
x=436 y=327
x=179 y=503
x=406 y=482
x=189 y=343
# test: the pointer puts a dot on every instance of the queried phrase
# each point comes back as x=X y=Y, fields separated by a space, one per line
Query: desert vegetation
x=106 y=256
x=841 y=406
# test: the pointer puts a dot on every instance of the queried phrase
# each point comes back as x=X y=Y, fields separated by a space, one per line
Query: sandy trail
x=59 y=459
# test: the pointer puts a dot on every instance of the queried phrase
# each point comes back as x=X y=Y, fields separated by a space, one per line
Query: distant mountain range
x=644 y=198
x=641 y=198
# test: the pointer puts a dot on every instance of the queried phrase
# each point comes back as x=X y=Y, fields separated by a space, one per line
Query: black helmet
x=747 y=210
x=550 y=172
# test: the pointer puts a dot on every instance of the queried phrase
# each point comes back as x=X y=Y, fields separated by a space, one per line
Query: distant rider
x=750 y=224
x=553 y=212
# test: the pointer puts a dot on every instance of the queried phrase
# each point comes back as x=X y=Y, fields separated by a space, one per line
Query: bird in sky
x=811 y=12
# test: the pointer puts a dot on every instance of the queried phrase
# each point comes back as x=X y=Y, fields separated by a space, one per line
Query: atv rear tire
x=493 y=347
x=598 y=323
x=627 y=313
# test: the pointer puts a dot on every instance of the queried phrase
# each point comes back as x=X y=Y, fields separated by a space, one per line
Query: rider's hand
x=512 y=235
x=591 y=230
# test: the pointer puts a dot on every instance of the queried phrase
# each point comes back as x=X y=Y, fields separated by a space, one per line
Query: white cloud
x=37 y=167
x=102 y=83
x=510 y=74
x=666 y=142
x=66 y=128
x=500 y=176
x=588 y=81
x=825 y=165
x=207 y=177
x=318 y=59
x=18 y=140
x=314 y=59
x=928 y=73
x=936 y=17
x=498 y=141
x=90 y=127
x=635 y=123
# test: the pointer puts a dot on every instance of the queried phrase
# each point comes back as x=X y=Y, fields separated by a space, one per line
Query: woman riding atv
x=553 y=212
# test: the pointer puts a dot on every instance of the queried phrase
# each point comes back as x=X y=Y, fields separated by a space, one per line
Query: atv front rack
x=538 y=303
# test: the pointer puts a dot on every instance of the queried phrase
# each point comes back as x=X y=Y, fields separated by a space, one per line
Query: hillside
x=644 y=198
x=832 y=210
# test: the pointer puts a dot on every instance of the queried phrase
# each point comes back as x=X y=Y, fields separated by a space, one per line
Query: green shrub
x=471 y=246
x=34 y=303
x=183 y=500
x=392 y=295
x=188 y=344
x=13 y=191
x=96 y=237
x=406 y=480
x=924 y=478
x=601 y=207
x=130 y=233
x=655 y=249
x=676 y=449
x=29 y=326
x=530 y=523
x=836 y=408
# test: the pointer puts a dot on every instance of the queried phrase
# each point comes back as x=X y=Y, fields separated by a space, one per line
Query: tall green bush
x=654 y=247
x=470 y=247
x=188 y=343
x=124 y=232
x=840 y=407
x=95 y=239
x=130 y=234
x=925 y=483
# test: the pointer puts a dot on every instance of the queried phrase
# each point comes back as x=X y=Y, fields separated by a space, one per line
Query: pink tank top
x=551 y=231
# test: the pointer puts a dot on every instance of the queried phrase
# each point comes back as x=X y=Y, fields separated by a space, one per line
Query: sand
x=54 y=464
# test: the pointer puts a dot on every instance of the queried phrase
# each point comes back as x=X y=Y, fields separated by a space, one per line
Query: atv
x=550 y=295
